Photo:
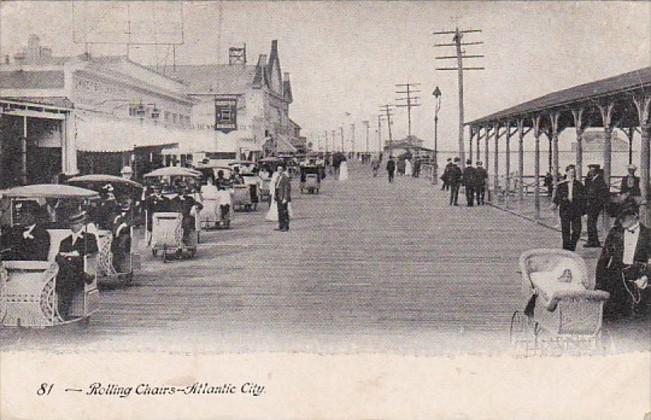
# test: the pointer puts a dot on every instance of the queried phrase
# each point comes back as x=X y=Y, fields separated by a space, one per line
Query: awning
x=206 y=141
x=103 y=135
x=284 y=146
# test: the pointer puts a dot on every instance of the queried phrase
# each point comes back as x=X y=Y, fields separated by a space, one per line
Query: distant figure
x=343 y=171
x=630 y=188
x=445 y=176
x=481 y=177
x=454 y=179
x=391 y=168
x=272 y=213
x=548 y=182
x=375 y=165
x=469 y=182
x=570 y=199
x=408 y=168
x=597 y=196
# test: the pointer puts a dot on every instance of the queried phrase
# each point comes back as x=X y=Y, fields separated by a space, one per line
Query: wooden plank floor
x=367 y=266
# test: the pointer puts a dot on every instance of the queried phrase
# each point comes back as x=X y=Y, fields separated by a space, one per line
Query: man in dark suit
x=72 y=250
x=183 y=203
x=444 y=177
x=391 y=168
x=121 y=243
x=481 y=177
x=469 y=182
x=570 y=199
x=454 y=179
x=597 y=196
x=283 y=197
x=28 y=240
x=622 y=267
x=630 y=186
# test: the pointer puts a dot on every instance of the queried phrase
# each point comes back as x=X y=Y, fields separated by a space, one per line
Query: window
x=167 y=115
x=174 y=118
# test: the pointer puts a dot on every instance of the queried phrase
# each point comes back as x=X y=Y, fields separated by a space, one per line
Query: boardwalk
x=367 y=266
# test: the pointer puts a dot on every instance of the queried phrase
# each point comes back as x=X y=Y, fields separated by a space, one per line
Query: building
x=248 y=103
x=409 y=145
x=87 y=115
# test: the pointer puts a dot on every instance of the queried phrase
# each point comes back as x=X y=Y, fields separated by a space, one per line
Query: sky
x=345 y=57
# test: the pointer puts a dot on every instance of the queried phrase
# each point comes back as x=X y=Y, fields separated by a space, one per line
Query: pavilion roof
x=637 y=80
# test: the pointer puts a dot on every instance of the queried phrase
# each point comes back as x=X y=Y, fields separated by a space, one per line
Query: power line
x=459 y=56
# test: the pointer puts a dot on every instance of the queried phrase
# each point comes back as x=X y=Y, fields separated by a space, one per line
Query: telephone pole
x=379 y=133
x=325 y=136
x=411 y=101
x=386 y=108
x=341 y=131
x=352 y=137
x=460 y=55
x=334 y=140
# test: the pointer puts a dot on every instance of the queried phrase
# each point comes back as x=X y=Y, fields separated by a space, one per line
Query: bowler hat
x=627 y=210
x=594 y=165
x=632 y=167
x=77 y=217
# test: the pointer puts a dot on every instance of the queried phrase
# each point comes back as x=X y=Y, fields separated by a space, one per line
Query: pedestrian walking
x=481 y=177
x=391 y=168
x=597 y=196
x=570 y=199
x=469 y=182
x=454 y=178
x=283 y=198
x=445 y=176
x=408 y=167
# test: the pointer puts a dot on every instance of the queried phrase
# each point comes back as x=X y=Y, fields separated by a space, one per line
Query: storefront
x=36 y=145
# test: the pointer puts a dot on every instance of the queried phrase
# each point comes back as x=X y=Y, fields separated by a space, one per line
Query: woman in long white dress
x=343 y=171
x=408 y=168
x=272 y=214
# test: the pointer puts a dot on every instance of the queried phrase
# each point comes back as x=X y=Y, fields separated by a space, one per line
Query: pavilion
x=621 y=102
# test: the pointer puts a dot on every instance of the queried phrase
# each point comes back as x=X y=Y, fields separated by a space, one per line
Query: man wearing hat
x=622 y=267
x=630 y=186
x=445 y=176
x=480 y=183
x=469 y=182
x=184 y=203
x=121 y=244
x=72 y=250
x=597 y=193
x=454 y=179
x=27 y=240
x=570 y=199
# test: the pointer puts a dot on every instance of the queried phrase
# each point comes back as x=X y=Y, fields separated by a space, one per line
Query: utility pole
x=341 y=131
x=352 y=137
x=334 y=140
x=325 y=136
x=459 y=56
x=366 y=124
x=379 y=133
x=386 y=108
x=411 y=101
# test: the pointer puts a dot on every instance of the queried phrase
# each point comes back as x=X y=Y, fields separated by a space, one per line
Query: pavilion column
x=630 y=133
x=550 y=153
x=521 y=158
x=577 y=114
x=478 y=156
x=643 y=105
x=553 y=118
x=486 y=154
x=23 y=152
x=472 y=133
x=507 y=159
x=606 y=111
x=536 y=166
x=496 y=163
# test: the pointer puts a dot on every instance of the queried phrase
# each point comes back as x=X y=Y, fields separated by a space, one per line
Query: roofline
x=494 y=118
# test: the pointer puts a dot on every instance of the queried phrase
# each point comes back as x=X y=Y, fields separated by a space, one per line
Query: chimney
x=286 y=77
x=237 y=55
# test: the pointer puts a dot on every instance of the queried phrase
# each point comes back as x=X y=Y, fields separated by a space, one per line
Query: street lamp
x=437 y=107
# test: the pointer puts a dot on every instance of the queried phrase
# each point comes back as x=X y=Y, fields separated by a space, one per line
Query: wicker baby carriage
x=563 y=313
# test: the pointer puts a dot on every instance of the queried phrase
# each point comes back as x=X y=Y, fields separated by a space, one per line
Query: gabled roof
x=224 y=79
x=635 y=80
x=31 y=79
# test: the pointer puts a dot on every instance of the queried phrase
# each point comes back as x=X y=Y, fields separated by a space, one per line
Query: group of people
x=173 y=198
x=473 y=179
